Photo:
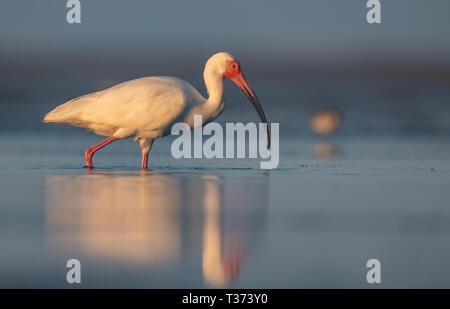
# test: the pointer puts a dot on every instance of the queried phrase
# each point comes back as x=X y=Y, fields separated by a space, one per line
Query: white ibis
x=146 y=108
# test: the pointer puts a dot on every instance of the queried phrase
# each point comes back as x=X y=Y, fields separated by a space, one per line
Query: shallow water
x=378 y=188
x=313 y=222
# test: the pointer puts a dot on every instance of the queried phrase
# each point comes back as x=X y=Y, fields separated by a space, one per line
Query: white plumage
x=146 y=108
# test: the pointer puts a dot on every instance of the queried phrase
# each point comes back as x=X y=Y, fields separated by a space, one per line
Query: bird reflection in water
x=324 y=150
x=153 y=219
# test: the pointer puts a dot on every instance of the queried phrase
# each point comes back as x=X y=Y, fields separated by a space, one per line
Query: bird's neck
x=214 y=86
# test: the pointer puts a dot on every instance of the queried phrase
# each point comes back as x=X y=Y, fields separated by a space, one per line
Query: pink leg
x=146 y=145
x=144 y=160
x=90 y=151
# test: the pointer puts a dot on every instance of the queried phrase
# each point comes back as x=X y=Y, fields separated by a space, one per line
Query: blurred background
x=388 y=78
x=364 y=119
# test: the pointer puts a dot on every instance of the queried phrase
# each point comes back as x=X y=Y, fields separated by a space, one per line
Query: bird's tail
x=47 y=118
x=50 y=117
x=57 y=115
x=69 y=111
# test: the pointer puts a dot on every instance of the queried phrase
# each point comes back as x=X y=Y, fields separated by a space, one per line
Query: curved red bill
x=240 y=80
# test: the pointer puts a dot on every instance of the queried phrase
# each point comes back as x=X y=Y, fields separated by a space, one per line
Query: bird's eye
x=233 y=66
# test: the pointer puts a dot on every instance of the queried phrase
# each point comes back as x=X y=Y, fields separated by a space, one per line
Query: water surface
x=313 y=222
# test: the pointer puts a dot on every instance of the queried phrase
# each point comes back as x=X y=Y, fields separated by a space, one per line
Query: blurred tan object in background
x=325 y=121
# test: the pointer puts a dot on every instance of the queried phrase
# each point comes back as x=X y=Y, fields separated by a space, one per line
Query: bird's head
x=224 y=65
